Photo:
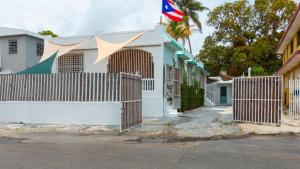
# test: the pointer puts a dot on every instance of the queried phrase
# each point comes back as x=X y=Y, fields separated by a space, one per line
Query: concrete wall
x=61 y=113
x=25 y=58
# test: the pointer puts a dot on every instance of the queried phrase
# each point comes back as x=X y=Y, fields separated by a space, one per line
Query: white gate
x=258 y=99
x=294 y=98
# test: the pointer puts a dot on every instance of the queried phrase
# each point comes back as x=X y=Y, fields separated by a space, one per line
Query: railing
x=294 y=99
x=211 y=96
x=77 y=87
x=148 y=84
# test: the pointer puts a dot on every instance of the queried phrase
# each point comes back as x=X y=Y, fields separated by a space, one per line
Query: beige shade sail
x=51 y=48
x=106 y=49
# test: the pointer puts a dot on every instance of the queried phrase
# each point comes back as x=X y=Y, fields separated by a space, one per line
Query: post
x=249 y=72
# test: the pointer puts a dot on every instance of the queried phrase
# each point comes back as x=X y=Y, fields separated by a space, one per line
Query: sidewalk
x=203 y=123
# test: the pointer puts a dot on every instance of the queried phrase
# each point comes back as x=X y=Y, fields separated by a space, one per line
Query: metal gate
x=258 y=99
x=294 y=98
x=131 y=98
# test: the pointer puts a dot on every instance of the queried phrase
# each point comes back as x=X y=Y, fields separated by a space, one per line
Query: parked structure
x=19 y=49
x=219 y=90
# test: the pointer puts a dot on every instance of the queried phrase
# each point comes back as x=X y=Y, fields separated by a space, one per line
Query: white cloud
x=73 y=17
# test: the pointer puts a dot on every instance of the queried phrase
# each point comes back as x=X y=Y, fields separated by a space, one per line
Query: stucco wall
x=61 y=113
x=216 y=88
x=13 y=62
x=26 y=56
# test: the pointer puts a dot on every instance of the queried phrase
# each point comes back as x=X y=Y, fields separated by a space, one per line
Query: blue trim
x=182 y=55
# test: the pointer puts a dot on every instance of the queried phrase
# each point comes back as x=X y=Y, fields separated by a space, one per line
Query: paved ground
x=205 y=123
x=37 y=151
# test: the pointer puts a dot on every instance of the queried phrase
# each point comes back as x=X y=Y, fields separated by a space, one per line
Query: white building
x=162 y=62
x=19 y=49
x=154 y=55
x=219 y=90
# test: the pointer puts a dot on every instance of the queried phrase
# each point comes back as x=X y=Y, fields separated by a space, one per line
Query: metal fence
x=131 y=97
x=294 y=98
x=78 y=87
x=148 y=85
x=83 y=87
x=258 y=99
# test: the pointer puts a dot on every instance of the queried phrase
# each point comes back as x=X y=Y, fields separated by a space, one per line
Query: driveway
x=203 y=122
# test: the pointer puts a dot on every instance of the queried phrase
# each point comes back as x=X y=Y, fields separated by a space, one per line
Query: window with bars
x=71 y=62
x=12 y=46
x=39 y=49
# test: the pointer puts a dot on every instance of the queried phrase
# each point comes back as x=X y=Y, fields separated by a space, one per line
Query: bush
x=192 y=97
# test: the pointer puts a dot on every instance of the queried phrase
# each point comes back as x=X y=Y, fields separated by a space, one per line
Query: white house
x=19 y=49
x=157 y=57
x=219 y=90
x=163 y=64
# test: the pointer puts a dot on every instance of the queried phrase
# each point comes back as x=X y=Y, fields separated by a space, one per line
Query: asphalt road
x=90 y=152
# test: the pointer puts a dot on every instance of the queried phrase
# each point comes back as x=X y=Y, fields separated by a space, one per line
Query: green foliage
x=48 y=33
x=246 y=35
x=191 y=9
x=258 y=71
x=192 y=97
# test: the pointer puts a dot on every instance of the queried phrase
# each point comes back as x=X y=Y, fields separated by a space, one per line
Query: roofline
x=292 y=20
x=24 y=33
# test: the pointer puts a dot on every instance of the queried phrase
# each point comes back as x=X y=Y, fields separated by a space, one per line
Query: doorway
x=223 y=95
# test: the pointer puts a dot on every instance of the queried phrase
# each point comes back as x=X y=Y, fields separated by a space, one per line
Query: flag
x=171 y=11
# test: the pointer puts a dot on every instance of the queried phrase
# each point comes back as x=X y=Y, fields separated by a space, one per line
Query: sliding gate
x=258 y=99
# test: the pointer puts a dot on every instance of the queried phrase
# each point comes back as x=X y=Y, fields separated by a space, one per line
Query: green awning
x=192 y=62
x=44 y=67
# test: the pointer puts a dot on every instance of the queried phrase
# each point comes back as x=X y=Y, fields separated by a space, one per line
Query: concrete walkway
x=203 y=122
x=212 y=122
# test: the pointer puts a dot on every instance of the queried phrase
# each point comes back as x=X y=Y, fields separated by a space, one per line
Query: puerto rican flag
x=171 y=11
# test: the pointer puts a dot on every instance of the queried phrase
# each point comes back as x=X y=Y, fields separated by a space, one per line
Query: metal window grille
x=39 y=49
x=12 y=46
x=71 y=62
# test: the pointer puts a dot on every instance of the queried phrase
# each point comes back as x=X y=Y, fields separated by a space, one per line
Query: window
x=39 y=49
x=71 y=62
x=12 y=46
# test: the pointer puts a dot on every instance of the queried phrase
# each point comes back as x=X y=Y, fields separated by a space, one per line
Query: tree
x=246 y=35
x=48 y=33
x=191 y=9
x=178 y=30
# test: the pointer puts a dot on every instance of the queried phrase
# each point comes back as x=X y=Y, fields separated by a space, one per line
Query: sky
x=81 y=17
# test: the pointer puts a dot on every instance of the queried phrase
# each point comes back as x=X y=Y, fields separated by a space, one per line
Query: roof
x=218 y=80
x=15 y=32
x=149 y=38
x=293 y=61
x=289 y=33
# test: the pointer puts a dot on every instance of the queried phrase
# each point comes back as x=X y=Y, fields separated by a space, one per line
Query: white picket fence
x=294 y=98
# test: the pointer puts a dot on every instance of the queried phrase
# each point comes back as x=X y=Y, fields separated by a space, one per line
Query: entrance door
x=223 y=96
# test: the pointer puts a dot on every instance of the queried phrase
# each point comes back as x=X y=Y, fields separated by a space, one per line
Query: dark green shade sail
x=44 y=67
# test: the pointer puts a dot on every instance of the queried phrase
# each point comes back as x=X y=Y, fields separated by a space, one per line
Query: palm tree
x=191 y=9
x=178 y=30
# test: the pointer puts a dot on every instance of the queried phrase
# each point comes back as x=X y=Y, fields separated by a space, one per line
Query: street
x=38 y=151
